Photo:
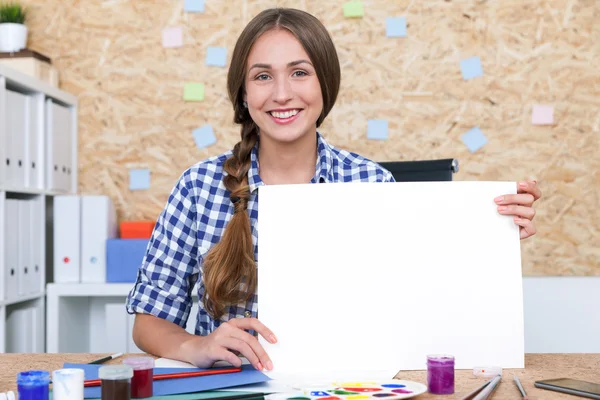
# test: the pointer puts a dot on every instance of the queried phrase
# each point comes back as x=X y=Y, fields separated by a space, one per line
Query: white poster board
x=360 y=278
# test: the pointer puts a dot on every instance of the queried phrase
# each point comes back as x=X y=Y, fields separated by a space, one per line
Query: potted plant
x=13 y=32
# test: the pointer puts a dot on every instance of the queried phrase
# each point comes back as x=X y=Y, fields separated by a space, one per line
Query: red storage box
x=137 y=229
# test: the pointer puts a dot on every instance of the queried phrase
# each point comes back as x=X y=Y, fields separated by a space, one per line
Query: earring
x=245 y=104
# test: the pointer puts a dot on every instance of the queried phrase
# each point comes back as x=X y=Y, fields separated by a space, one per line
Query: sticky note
x=139 y=179
x=377 y=129
x=474 y=139
x=216 y=56
x=172 y=37
x=395 y=26
x=353 y=9
x=193 y=6
x=193 y=92
x=542 y=115
x=204 y=136
x=471 y=68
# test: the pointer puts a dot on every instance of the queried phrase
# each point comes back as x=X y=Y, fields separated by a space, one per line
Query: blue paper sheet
x=248 y=376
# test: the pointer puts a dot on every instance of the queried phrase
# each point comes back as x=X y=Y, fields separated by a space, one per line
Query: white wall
x=562 y=314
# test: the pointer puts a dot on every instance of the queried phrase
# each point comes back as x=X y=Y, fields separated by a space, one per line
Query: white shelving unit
x=38 y=160
x=91 y=318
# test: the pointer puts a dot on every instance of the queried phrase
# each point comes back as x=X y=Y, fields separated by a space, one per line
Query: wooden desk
x=537 y=366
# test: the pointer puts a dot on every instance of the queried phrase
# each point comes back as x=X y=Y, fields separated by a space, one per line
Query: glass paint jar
x=143 y=376
x=440 y=374
x=33 y=385
x=116 y=382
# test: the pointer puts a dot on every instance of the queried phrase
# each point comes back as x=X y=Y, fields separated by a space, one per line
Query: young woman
x=283 y=81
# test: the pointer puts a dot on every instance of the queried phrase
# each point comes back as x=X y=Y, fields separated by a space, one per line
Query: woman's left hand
x=520 y=205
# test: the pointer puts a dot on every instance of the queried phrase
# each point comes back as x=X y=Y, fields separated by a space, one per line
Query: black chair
x=422 y=170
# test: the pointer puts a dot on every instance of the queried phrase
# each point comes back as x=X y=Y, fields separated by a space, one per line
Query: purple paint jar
x=440 y=374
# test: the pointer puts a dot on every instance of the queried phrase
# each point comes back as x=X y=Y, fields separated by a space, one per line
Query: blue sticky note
x=216 y=56
x=474 y=139
x=204 y=136
x=139 y=179
x=395 y=26
x=471 y=68
x=194 y=6
x=377 y=129
x=248 y=375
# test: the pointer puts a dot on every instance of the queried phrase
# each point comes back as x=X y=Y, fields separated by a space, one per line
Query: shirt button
x=247 y=314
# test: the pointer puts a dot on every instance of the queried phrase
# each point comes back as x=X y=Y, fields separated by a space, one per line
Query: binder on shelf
x=36 y=227
x=35 y=154
x=58 y=147
x=67 y=243
x=35 y=313
x=18 y=331
x=3 y=133
x=24 y=231
x=17 y=127
x=11 y=247
x=98 y=224
x=115 y=325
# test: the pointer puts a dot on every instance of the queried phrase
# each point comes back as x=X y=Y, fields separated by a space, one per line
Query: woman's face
x=282 y=89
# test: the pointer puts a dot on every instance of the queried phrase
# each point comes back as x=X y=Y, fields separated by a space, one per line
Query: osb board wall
x=132 y=113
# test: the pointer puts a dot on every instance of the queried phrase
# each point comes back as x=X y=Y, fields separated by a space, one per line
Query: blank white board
x=373 y=277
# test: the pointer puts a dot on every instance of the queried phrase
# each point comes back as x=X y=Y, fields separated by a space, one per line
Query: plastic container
x=440 y=374
x=67 y=384
x=33 y=385
x=143 y=376
x=136 y=229
x=487 y=371
x=115 y=381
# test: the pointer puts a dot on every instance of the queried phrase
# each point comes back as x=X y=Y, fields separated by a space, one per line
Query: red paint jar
x=143 y=376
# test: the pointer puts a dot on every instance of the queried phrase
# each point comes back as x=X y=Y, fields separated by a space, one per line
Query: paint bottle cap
x=139 y=363
x=67 y=374
x=487 y=371
x=115 y=372
x=33 y=378
x=10 y=395
x=440 y=360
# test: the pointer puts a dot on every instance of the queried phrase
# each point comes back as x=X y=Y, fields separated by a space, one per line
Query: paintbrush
x=479 y=389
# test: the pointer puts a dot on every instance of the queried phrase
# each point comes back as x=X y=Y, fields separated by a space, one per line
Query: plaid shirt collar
x=323 y=171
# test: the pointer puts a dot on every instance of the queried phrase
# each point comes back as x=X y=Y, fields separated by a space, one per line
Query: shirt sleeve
x=388 y=177
x=170 y=267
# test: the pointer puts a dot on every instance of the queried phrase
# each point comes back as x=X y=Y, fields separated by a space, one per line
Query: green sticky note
x=193 y=92
x=354 y=9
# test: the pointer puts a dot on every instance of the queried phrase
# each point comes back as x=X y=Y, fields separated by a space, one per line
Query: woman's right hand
x=204 y=351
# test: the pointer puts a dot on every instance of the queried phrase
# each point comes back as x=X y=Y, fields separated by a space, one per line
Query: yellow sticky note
x=193 y=92
x=354 y=9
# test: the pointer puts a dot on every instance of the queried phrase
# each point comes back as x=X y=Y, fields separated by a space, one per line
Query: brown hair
x=230 y=263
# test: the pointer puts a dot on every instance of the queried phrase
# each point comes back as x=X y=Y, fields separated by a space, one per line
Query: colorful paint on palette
x=390 y=390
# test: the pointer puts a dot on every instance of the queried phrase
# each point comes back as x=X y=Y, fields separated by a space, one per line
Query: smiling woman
x=283 y=82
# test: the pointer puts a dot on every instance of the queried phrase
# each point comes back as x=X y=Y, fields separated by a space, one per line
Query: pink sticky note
x=172 y=37
x=542 y=115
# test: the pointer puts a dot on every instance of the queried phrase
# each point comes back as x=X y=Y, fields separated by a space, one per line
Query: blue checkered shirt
x=193 y=220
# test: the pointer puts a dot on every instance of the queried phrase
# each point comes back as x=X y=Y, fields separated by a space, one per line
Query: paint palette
x=371 y=390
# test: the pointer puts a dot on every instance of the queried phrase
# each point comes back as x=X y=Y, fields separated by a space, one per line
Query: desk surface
x=537 y=366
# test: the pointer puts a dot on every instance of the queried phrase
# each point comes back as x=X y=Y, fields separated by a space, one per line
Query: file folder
x=24 y=228
x=37 y=227
x=3 y=134
x=67 y=244
x=36 y=144
x=58 y=147
x=16 y=134
x=11 y=247
x=98 y=224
